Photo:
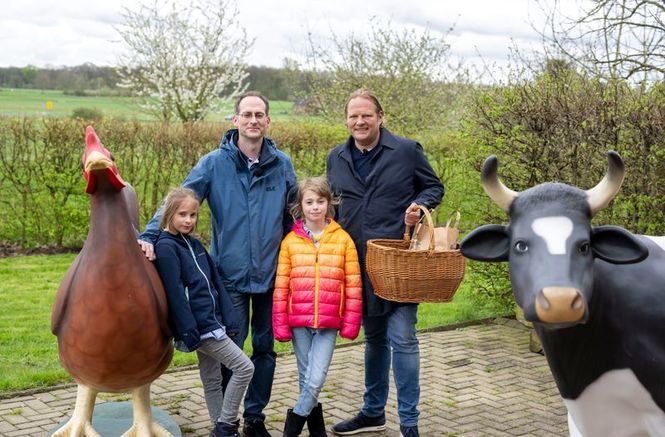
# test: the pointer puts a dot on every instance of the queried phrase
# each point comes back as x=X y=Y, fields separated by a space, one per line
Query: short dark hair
x=252 y=94
x=365 y=94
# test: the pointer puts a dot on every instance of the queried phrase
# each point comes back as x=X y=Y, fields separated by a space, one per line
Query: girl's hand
x=148 y=249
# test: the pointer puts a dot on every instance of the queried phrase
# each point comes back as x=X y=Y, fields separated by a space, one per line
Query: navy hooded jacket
x=198 y=302
x=249 y=212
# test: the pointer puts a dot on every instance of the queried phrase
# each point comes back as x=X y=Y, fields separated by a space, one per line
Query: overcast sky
x=72 y=32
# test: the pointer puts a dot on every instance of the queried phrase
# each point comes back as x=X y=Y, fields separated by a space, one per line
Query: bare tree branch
x=409 y=70
x=611 y=38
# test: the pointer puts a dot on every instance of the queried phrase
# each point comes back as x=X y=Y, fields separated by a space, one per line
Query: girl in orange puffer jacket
x=318 y=292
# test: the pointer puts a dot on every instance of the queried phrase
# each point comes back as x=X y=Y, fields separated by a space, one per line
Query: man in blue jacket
x=382 y=178
x=246 y=182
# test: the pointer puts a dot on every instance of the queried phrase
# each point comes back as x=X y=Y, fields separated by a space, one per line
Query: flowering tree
x=183 y=60
x=411 y=72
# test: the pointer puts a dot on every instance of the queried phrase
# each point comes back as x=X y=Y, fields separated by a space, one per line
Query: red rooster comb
x=95 y=160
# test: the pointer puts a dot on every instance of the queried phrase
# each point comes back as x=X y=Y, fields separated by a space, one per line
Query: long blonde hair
x=173 y=201
x=322 y=188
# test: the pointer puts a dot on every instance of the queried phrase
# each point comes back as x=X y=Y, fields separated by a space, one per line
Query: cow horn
x=499 y=193
x=601 y=195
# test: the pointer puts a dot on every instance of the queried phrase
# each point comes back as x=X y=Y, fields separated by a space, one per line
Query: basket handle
x=430 y=225
x=456 y=214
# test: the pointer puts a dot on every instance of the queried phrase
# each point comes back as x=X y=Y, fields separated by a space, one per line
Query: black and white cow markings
x=596 y=296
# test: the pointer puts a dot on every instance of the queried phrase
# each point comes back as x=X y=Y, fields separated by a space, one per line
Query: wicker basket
x=403 y=275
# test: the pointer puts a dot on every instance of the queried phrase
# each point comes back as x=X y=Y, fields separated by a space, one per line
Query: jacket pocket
x=341 y=299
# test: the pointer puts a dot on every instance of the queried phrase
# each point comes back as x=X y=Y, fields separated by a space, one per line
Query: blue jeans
x=396 y=332
x=263 y=349
x=314 y=350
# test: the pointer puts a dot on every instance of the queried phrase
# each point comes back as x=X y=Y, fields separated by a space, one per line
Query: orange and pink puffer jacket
x=317 y=287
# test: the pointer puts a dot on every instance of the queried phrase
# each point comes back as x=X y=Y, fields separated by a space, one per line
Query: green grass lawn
x=28 y=350
x=33 y=103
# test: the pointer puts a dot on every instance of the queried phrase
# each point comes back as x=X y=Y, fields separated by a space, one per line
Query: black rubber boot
x=294 y=424
x=315 y=422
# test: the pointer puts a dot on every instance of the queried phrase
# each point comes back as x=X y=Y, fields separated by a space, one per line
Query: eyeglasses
x=248 y=115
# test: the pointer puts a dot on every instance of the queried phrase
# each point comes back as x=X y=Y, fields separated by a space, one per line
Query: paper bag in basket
x=445 y=238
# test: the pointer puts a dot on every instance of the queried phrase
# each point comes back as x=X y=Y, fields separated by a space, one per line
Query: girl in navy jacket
x=200 y=310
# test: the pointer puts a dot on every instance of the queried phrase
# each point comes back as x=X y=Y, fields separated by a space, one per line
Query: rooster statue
x=110 y=312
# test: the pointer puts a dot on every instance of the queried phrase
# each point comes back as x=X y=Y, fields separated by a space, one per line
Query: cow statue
x=595 y=295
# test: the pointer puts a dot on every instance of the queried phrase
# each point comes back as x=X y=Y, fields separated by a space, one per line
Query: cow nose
x=560 y=305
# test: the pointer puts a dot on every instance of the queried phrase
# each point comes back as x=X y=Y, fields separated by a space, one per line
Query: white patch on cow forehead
x=555 y=231
x=615 y=404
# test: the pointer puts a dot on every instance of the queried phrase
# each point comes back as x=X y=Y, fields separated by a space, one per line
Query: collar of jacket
x=229 y=143
x=179 y=238
x=299 y=229
x=386 y=140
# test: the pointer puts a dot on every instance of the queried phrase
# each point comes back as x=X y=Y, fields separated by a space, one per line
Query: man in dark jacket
x=246 y=182
x=382 y=178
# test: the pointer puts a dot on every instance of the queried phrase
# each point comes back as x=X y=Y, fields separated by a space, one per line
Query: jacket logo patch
x=271 y=188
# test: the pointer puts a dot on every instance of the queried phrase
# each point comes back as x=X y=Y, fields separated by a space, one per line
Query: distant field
x=33 y=103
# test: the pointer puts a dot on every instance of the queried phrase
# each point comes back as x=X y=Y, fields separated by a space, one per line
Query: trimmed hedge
x=44 y=203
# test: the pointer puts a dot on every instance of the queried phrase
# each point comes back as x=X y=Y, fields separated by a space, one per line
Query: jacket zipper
x=191 y=251
x=316 y=289
x=316 y=282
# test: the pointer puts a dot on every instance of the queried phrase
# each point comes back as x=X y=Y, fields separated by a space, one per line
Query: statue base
x=113 y=419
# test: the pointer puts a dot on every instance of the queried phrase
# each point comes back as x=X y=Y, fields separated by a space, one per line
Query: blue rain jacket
x=249 y=212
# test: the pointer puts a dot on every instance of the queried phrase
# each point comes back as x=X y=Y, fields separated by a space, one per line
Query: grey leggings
x=223 y=407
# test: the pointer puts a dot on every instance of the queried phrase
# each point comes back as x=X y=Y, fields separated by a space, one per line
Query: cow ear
x=486 y=243
x=617 y=246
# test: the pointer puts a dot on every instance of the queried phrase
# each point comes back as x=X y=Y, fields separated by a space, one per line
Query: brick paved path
x=478 y=380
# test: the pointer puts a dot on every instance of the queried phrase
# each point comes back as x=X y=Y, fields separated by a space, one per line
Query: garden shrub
x=87 y=114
